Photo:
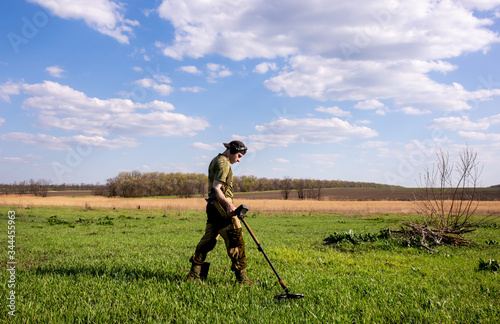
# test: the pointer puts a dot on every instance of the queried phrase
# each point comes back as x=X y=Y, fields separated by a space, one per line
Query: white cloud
x=146 y=82
x=414 y=111
x=369 y=104
x=13 y=160
x=491 y=120
x=478 y=136
x=59 y=106
x=157 y=83
x=264 y=67
x=8 y=89
x=410 y=155
x=323 y=160
x=191 y=69
x=373 y=144
x=480 y=4
x=284 y=131
x=192 y=89
x=34 y=157
x=335 y=111
x=159 y=105
x=381 y=109
x=162 y=78
x=104 y=16
x=390 y=30
x=457 y=123
x=405 y=82
x=56 y=71
x=163 y=89
x=357 y=51
x=203 y=146
x=158 y=123
x=280 y=160
x=221 y=27
x=2 y=121
x=327 y=156
x=49 y=142
x=51 y=98
x=216 y=71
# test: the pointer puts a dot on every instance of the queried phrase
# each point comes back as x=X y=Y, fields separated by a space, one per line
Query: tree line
x=151 y=184
x=41 y=187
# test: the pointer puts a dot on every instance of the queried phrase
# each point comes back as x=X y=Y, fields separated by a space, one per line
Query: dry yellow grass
x=102 y=202
x=346 y=207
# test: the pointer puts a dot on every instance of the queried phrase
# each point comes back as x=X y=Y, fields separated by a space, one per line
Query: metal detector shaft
x=259 y=247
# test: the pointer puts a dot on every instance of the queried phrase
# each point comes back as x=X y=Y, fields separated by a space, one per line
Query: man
x=219 y=222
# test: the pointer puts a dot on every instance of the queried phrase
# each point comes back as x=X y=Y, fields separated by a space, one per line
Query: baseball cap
x=236 y=146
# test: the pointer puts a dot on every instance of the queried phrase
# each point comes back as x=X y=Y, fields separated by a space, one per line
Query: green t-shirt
x=220 y=169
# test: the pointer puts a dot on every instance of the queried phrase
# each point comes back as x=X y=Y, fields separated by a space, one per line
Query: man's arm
x=226 y=203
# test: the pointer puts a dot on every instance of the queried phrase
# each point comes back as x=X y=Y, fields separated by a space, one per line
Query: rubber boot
x=204 y=271
x=194 y=273
x=242 y=278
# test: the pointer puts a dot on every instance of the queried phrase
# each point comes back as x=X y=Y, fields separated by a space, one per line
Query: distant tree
x=300 y=186
x=99 y=190
x=34 y=187
x=201 y=183
x=21 y=188
x=44 y=186
x=249 y=183
x=317 y=188
x=286 y=187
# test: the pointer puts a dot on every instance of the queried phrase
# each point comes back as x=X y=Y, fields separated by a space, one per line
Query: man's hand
x=230 y=208
x=225 y=203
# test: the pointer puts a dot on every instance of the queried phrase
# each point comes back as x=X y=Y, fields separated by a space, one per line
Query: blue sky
x=348 y=90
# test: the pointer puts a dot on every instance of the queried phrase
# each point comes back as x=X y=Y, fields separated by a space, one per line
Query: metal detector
x=241 y=211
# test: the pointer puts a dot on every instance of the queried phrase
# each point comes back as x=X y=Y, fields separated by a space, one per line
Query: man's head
x=235 y=151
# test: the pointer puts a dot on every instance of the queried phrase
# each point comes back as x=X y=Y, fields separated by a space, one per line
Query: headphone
x=237 y=149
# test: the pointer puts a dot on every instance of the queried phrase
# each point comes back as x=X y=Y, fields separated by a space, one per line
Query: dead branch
x=423 y=234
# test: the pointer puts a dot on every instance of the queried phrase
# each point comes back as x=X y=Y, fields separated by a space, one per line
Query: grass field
x=124 y=265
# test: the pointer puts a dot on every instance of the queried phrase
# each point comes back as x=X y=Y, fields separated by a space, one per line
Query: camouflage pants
x=232 y=233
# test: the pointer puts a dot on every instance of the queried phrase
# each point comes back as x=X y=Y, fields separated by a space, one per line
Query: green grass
x=121 y=266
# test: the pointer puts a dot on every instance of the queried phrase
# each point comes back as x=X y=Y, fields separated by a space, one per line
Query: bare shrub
x=447 y=192
x=446 y=201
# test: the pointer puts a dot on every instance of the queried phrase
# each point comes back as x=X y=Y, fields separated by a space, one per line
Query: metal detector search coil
x=288 y=296
x=241 y=213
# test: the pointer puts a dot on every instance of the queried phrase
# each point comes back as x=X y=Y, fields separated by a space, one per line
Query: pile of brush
x=426 y=237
